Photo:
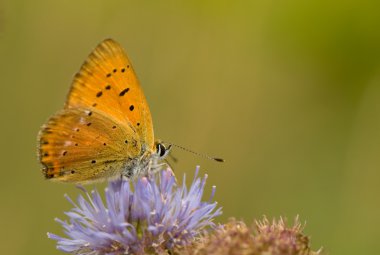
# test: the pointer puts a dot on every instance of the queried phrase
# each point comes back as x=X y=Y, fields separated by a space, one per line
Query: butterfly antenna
x=175 y=160
x=198 y=154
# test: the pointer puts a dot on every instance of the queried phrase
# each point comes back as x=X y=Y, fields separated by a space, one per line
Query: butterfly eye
x=161 y=150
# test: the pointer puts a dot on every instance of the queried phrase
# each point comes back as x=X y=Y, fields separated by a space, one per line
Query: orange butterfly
x=105 y=129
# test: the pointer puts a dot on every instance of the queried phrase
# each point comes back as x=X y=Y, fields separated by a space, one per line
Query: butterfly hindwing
x=82 y=145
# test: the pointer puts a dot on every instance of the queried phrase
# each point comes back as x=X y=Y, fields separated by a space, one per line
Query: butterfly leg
x=156 y=167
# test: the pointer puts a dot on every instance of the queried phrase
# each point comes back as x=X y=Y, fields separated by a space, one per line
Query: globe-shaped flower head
x=147 y=216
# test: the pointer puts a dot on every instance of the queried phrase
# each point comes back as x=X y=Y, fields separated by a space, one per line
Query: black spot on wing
x=123 y=92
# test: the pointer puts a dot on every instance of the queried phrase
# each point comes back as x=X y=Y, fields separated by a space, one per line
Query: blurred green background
x=286 y=91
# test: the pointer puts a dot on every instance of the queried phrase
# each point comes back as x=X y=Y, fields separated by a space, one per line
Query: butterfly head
x=162 y=150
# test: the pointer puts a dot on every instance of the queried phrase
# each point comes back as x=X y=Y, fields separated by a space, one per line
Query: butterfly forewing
x=81 y=145
x=107 y=82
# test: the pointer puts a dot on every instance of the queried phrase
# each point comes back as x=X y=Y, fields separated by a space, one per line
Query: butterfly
x=105 y=128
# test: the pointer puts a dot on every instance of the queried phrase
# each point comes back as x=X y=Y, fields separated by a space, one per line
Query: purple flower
x=150 y=215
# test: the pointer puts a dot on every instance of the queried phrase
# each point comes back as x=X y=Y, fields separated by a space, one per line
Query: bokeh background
x=286 y=91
